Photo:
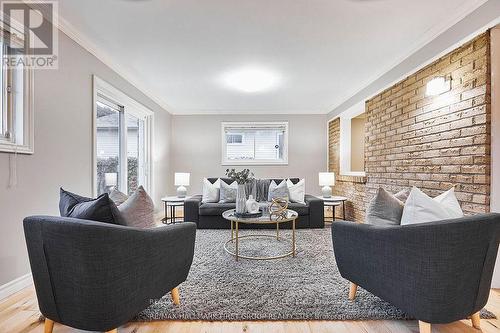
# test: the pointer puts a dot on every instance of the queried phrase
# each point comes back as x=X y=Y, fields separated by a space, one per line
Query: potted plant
x=240 y=177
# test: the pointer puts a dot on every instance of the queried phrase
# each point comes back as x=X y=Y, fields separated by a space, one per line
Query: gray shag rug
x=307 y=287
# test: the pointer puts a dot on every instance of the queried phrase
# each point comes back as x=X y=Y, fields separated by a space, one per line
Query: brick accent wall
x=432 y=142
x=348 y=186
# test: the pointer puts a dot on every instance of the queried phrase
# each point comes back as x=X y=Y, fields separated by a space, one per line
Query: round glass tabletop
x=289 y=215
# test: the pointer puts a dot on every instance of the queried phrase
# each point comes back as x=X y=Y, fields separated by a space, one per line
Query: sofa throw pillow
x=421 y=208
x=228 y=192
x=100 y=209
x=403 y=194
x=384 y=209
x=68 y=200
x=138 y=210
x=297 y=191
x=210 y=191
x=118 y=197
x=278 y=190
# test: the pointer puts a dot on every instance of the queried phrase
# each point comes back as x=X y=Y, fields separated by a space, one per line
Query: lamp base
x=327 y=191
x=181 y=191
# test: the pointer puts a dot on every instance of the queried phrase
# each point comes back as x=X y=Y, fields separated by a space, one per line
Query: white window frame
x=250 y=125
x=345 y=140
x=9 y=144
x=130 y=107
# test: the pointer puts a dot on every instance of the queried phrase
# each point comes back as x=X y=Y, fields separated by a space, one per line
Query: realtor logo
x=30 y=34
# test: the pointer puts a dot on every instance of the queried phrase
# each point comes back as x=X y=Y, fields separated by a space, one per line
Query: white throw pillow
x=210 y=191
x=297 y=191
x=420 y=208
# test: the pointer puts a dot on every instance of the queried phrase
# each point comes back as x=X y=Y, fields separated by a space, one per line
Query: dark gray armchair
x=97 y=276
x=437 y=272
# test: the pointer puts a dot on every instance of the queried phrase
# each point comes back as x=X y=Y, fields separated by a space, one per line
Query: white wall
x=495 y=135
x=196 y=146
x=63 y=149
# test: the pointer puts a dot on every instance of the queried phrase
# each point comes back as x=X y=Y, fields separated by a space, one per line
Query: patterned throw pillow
x=211 y=191
x=278 y=191
x=118 y=197
x=100 y=209
x=228 y=192
x=138 y=210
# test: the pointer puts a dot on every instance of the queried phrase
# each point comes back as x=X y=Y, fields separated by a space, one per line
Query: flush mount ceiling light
x=251 y=79
x=436 y=86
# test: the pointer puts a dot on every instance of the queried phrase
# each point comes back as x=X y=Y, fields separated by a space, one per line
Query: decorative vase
x=252 y=205
x=241 y=199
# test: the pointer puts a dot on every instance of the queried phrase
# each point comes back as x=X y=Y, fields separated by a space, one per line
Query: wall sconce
x=437 y=86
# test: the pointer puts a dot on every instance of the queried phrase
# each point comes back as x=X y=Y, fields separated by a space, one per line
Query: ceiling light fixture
x=437 y=86
x=251 y=79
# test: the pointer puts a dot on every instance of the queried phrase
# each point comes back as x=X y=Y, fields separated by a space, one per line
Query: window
x=16 y=101
x=352 y=144
x=122 y=146
x=254 y=143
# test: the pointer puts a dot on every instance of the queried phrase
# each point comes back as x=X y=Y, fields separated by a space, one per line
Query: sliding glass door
x=122 y=146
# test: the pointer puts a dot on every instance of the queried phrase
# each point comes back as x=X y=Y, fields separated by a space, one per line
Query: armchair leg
x=476 y=320
x=175 y=296
x=424 y=327
x=48 y=326
x=352 y=290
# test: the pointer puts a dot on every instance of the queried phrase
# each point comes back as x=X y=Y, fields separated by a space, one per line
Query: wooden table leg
x=293 y=238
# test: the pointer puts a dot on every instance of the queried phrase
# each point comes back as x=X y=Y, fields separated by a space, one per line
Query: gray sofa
x=436 y=272
x=97 y=276
x=209 y=215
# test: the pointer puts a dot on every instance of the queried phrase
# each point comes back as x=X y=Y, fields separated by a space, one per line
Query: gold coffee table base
x=288 y=254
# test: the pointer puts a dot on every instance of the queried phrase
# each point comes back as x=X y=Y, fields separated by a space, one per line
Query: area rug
x=307 y=287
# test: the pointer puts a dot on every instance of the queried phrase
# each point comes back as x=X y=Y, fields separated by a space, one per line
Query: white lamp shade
x=326 y=178
x=110 y=178
x=181 y=179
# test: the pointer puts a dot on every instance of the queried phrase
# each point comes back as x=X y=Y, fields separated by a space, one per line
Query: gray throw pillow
x=278 y=191
x=384 y=209
x=138 y=210
x=118 y=197
x=228 y=192
x=403 y=194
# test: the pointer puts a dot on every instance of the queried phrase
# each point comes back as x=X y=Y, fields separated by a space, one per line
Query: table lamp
x=326 y=179
x=181 y=180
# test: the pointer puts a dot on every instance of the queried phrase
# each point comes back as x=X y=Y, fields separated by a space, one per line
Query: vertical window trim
x=249 y=124
x=8 y=145
x=134 y=108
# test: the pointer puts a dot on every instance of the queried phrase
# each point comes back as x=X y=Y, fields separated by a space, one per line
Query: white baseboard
x=15 y=285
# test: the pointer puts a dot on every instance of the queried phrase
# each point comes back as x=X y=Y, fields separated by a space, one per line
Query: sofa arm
x=316 y=211
x=436 y=271
x=192 y=209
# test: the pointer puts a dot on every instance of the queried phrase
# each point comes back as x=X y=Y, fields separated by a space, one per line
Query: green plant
x=241 y=177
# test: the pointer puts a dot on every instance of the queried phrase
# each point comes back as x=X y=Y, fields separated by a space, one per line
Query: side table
x=333 y=202
x=172 y=202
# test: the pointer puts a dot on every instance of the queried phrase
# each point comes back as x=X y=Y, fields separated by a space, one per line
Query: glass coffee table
x=288 y=216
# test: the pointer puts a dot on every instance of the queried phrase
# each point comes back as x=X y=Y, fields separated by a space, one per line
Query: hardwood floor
x=19 y=314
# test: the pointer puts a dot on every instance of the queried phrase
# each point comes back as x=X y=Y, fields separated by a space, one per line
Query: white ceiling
x=323 y=50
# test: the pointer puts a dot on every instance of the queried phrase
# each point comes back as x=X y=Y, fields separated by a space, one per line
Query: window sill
x=7 y=147
x=351 y=178
x=230 y=163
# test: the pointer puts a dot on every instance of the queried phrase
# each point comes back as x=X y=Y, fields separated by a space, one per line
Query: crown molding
x=78 y=37
x=189 y=112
